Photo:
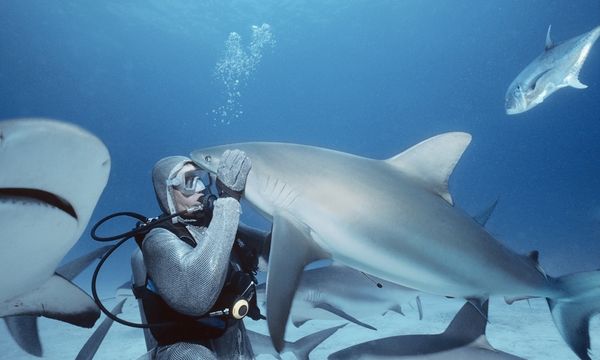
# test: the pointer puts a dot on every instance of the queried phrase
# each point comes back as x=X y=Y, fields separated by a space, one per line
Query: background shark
x=394 y=219
x=557 y=67
x=463 y=339
x=52 y=176
x=339 y=292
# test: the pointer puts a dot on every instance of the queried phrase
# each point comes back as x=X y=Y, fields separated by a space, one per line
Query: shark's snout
x=510 y=106
x=515 y=101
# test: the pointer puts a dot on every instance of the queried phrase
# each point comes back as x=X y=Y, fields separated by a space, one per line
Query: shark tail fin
x=470 y=322
x=572 y=312
x=91 y=346
x=574 y=82
x=589 y=38
x=302 y=347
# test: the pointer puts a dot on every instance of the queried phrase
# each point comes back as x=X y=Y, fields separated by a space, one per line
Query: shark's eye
x=207 y=158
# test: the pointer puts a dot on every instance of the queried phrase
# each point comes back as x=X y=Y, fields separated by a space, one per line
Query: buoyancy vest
x=239 y=281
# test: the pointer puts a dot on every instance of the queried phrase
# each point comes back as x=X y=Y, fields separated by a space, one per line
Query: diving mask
x=191 y=182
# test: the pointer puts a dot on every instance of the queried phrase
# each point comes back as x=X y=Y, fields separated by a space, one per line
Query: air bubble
x=236 y=67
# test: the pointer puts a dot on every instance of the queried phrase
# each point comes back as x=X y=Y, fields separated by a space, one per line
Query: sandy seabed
x=523 y=329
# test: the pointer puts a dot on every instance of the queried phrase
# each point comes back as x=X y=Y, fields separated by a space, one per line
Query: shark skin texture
x=394 y=219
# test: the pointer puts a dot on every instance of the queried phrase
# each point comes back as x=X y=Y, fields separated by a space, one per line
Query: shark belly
x=423 y=243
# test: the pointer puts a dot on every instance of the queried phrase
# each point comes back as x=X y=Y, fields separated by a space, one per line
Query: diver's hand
x=232 y=173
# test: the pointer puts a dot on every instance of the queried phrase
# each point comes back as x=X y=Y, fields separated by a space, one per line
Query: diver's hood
x=164 y=170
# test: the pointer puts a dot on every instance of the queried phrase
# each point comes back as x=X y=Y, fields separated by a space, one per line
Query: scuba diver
x=193 y=275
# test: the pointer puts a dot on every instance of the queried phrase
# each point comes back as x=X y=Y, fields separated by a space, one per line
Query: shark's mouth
x=39 y=196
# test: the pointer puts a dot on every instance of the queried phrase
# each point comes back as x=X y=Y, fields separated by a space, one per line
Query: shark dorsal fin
x=549 y=43
x=433 y=160
x=534 y=257
x=483 y=217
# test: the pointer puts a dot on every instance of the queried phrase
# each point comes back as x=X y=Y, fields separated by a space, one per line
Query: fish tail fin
x=573 y=310
x=589 y=38
x=576 y=83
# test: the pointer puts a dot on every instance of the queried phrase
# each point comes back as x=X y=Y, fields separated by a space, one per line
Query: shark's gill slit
x=42 y=196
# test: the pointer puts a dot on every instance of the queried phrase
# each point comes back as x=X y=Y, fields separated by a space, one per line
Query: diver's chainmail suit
x=190 y=279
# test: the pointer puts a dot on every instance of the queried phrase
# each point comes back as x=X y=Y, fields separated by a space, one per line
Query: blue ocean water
x=366 y=77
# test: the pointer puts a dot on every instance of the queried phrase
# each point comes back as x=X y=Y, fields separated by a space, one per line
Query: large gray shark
x=393 y=219
x=51 y=176
x=557 y=67
x=463 y=339
x=340 y=292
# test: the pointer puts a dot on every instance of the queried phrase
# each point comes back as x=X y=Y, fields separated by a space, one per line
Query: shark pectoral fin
x=24 y=331
x=433 y=161
x=73 y=268
x=574 y=82
x=339 y=312
x=291 y=249
x=57 y=299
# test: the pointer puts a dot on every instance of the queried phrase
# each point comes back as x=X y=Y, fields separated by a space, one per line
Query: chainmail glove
x=232 y=173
